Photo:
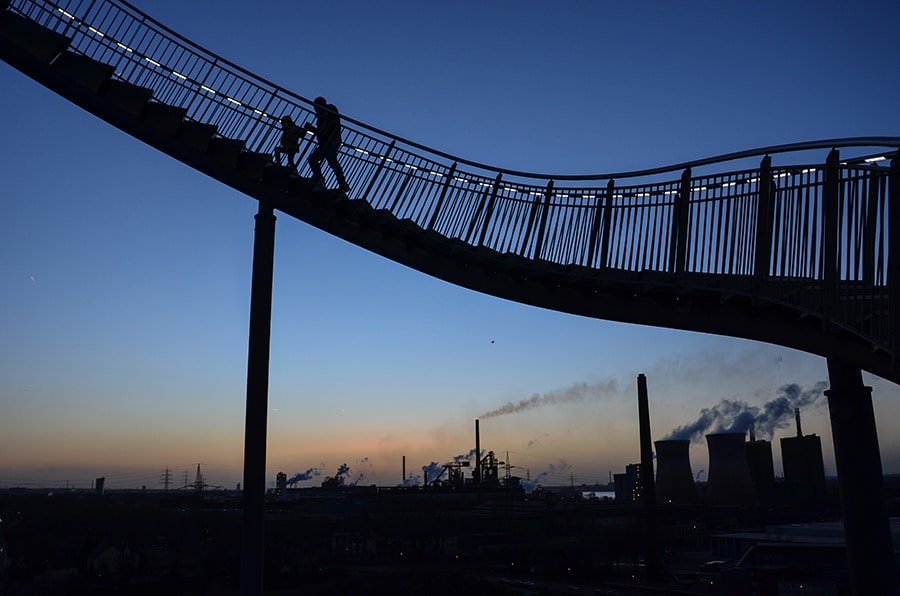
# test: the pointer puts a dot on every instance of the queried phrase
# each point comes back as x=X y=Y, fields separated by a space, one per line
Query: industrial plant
x=469 y=523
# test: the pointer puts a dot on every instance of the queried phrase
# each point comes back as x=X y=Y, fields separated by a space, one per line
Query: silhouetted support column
x=867 y=530
x=257 y=401
x=648 y=488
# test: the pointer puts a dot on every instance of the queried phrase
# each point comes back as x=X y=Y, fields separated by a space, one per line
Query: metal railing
x=814 y=234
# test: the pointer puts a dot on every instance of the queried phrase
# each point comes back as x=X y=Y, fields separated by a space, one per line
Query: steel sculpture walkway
x=789 y=245
x=782 y=244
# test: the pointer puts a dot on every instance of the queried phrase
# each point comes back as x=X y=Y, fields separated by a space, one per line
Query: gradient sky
x=125 y=275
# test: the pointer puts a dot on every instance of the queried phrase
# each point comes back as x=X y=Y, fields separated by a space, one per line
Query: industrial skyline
x=126 y=282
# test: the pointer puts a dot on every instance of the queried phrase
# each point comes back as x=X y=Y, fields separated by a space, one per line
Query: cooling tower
x=674 y=479
x=729 y=484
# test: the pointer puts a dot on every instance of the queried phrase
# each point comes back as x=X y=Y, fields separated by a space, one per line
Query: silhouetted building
x=674 y=479
x=804 y=468
x=629 y=485
x=280 y=484
x=762 y=469
x=730 y=483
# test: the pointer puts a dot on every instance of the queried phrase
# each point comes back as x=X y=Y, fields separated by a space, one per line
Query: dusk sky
x=125 y=275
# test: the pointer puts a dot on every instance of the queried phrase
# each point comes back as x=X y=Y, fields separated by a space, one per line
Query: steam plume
x=531 y=484
x=737 y=416
x=310 y=473
x=470 y=456
x=579 y=392
x=432 y=471
x=339 y=480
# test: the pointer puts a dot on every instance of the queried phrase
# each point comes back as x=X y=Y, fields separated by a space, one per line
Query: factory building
x=730 y=483
x=629 y=485
x=804 y=467
x=762 y=468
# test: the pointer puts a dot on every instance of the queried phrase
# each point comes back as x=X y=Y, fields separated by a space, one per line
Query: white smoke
x=554 y=469
x=579 y=392
x=737 y=416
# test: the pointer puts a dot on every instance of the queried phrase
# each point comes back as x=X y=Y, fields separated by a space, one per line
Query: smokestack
x=648 y=490
x=403 y=480
x=752 y=434
x=476 y=473
x=730 y=483
x=797 y=417
x=674 y=479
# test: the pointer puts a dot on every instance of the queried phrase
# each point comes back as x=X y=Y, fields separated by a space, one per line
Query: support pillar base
x=867 y=531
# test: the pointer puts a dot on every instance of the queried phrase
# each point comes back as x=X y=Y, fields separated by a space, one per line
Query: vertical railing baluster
x=490 y=210
x=535 y=206
x=893 y=267
x=599 y=210
x=378 y=170
x=764 y=210
x=874 y=180
x=607 y=224
x=473 y=222
x=539 y=244
x=830 y=223
x=448 y=177
x=680 y=224
x=398 y=195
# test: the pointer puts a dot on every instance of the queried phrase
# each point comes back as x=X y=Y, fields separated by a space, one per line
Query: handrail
x=285 y=94
x=878 y=141
x=779 y=233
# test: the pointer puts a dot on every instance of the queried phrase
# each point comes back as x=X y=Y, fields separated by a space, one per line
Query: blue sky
x=125 y=275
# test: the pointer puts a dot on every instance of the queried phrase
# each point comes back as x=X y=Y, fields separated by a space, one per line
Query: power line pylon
x=199 y=482
x=167 y=479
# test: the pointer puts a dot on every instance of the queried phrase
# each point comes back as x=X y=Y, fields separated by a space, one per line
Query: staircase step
x=40 y=42
x=128 y=97
x=278 y=177
x=164 y=117
x=90 y=73
x=197 y=134
x=254 y=164
x=226 y=150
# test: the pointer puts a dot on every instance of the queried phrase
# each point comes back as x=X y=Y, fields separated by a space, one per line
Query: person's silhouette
x=290 y=140
x=328 y=134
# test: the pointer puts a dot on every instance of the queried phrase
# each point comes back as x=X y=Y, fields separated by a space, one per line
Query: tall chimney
x=648 y=490
x=797 y=417
x=403 y=480
x=476 y=473
x=674 y=479
x=730 y=483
